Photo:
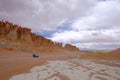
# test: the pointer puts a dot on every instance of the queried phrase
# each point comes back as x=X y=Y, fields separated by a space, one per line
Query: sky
x=87 y=24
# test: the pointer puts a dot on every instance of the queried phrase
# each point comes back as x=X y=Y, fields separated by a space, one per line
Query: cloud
x=87 y=36
x=90 y=39
x=18 y=11
x=42 y=15
x=104 y=14
x=88 y=24
x=98 y=46
x=98 y=29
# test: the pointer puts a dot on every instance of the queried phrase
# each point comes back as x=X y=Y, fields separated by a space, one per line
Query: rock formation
x=5 y=27
x=70 y=47
x=24 y=39
x=24 y=35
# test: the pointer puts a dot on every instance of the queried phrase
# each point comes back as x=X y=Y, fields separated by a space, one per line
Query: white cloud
x=42 y=15
x=98 y=29
x=95 y=21
x=103 y=14
x=98 y=46
x=87 y=36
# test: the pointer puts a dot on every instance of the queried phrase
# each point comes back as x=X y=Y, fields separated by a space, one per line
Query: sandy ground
x=16 y=65
x=75 y=69
x=14 y=62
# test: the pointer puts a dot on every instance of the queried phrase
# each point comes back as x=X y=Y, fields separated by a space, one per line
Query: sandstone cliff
x=13 y=36
x=70 y=47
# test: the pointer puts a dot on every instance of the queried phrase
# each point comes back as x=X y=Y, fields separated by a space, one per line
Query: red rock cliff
x=70 y=47
x=14 y=32
x=26 y=40
x=24 y=34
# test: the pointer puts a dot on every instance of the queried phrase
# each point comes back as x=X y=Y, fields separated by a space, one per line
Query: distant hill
x=114 y=54
x=15 y=37
x=110 y=55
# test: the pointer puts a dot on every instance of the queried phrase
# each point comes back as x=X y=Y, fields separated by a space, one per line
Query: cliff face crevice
x=12 y=33
x=24 y=39
x=4 y=27
x=24 y=35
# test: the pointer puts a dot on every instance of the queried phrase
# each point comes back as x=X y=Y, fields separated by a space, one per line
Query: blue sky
x=87 y=24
